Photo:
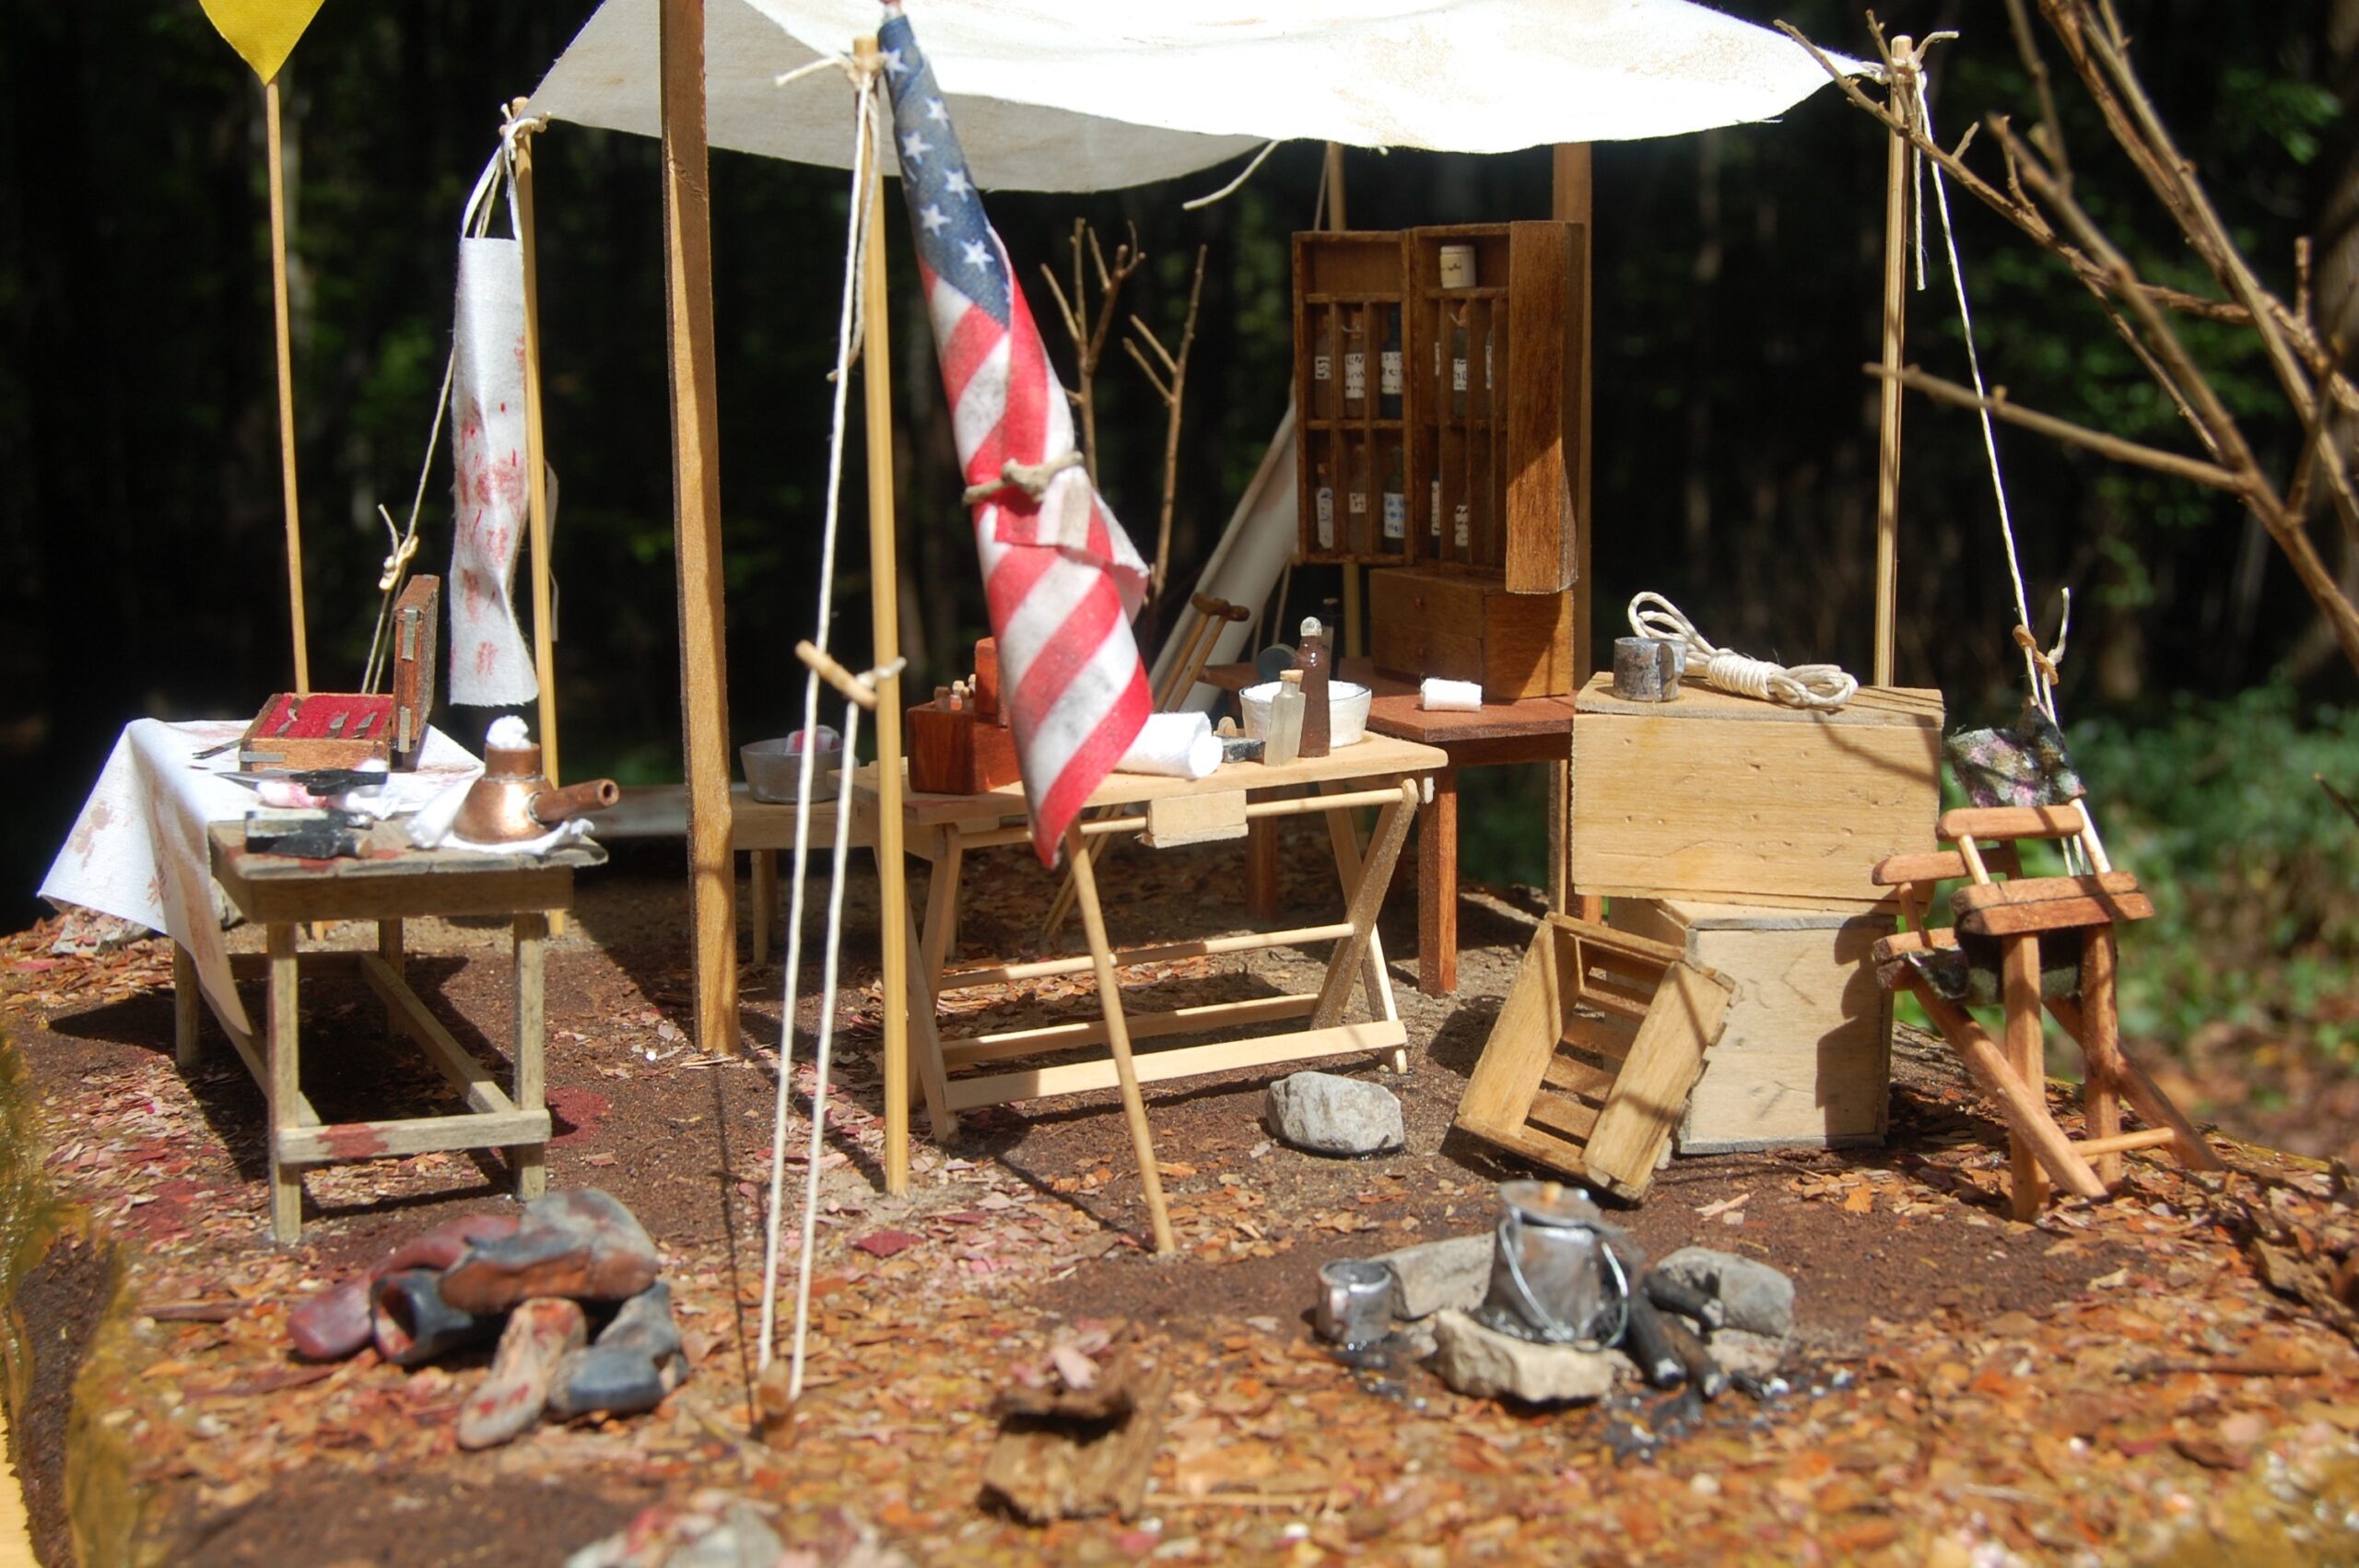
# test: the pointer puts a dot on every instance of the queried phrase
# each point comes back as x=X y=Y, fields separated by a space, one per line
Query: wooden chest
x=1735 y=800
x=1806 y=1056
x=1464 y=625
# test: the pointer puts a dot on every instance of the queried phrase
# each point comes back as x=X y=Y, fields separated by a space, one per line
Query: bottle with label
x=1312 y=661
x=1388 y=396
x=1462 y=529
x=1355 y=366
x=1325 y=496
x=1282 y=741
x=1433 y=516
x=1396 y=504
x=1322 y=368
x=1359 y=489
x=1458 y=361
x=1490 y=387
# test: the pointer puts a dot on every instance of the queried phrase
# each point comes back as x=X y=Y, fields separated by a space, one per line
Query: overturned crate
x=1594 y=1053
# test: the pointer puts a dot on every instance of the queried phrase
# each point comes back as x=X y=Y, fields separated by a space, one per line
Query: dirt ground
x=2114 y=1382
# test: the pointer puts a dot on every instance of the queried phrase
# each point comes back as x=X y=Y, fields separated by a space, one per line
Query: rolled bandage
x=1438 y=695
x=1174 y=745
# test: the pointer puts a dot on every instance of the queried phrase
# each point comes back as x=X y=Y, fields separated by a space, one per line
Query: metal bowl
x=773 y=769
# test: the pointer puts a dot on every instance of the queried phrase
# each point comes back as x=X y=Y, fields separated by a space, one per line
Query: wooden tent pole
x=696 y=522
x=1895 y=305
x=276 y=157
x=884 y=610
x=536 y=461
x=1572 y=199
x=1353 y=647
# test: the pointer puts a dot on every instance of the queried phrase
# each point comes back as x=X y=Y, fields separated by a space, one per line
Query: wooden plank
x=1042 y=1040
x=1942 y=865
x=696 y=521
x=2041 y=890
x=1898 y=942
x=2024 y=1105
x=1650 y=1091
x=1437 y=887
x=1577 y=1078
x=1185 y=1061
x=1545 y=365
x=1131 y=957
x=1195 y=819
x=2011 y=822
x=1564 y=1115
x=1342 y=839
x=527 y=1156
x=281 y=1080
x=2054 y=914
x=1572 y=199
x=2113 y=1145
x=455 y=1062
x=1522 y=1041
x=1368 y=891
x=1903 y=707
x=343 y=1142
x=1118 y=1040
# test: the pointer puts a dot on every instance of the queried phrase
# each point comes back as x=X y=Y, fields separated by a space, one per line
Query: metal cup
x=1554 y=1279
x=1647 y=668
x=1355 y=1303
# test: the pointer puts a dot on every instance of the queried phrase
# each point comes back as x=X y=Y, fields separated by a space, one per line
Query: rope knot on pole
x=1032 y=478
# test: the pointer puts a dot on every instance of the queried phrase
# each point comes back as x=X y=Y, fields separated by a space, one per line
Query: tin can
x=1354 y=1304
x=1458 y=266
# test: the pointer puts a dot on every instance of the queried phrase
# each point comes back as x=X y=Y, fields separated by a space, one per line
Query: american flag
x=1061 y=577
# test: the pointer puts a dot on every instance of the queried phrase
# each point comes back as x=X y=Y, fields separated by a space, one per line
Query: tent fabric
x=1080 y=95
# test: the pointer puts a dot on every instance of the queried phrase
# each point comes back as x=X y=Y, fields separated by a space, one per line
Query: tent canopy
x=1083 y=95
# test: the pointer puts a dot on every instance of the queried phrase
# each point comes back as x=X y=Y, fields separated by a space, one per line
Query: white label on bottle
x=1323 y=366
x=1326 y=517
x=1390 y=374
x=1458 y=375
x=1436 y=509
x=1396 y=515
x=1465 y=530
x=1487 y=363
x=1354 y=378
x=1359 y=503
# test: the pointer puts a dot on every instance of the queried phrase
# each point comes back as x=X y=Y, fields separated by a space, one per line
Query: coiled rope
x=1821 y=687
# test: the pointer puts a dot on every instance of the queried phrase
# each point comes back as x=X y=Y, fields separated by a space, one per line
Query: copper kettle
x=513 y=800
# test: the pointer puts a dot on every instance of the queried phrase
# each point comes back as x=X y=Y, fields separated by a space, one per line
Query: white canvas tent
x=1071 y=95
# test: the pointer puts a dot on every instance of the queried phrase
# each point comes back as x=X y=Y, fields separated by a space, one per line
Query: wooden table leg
x=2027 y=1053
x=925 y=1034
x=188 y=1004
x=940 y=910
x=389 y=949
x=764 y=925
x=284 y=1090
x=1560 y=847
x=1342 y=836
x=1437 y=887
x=1118 y=1035
x=1261 y=869
x=2100 y=1047
x=530 y=1160
x=1367 y=899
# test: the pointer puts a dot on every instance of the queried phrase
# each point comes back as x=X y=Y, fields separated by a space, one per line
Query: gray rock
x=1485 y=1363
x=1736 y=1351
x=1453 y=1272
x=1329 y=1114
x=1757 y=1298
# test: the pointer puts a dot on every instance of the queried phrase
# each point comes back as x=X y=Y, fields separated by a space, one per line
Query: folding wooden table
x=1380 y=772
x=282 y=893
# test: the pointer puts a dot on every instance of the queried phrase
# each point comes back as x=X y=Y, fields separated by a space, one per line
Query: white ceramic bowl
x=772 y=770
x=1347 y=712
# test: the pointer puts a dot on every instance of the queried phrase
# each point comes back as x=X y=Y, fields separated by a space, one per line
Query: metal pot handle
x=1558 y=1331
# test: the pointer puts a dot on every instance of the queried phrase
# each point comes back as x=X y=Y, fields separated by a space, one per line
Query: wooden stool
x=2010 y=919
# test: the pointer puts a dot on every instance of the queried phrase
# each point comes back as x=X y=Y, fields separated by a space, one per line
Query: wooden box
x=1805 y=1054
x=1593 y=1052
x=1351 y=316
x=295 y=732
x=954 y=749
x=1462 y=624
x=1736 y=801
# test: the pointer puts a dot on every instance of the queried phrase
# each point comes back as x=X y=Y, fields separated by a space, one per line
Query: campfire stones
x=540 y=1333
x=1323 y=1113
x=581 y=1244
x=636 y=1361
x=1453 y=1272
x=1483 y=1363
x=336 y=1323
x=1754 y=1296
x=414 y=1322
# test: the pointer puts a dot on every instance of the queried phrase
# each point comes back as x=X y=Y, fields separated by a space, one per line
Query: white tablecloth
x=137 y=851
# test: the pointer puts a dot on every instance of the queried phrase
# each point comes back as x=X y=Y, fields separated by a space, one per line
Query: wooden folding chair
x=2006 y=927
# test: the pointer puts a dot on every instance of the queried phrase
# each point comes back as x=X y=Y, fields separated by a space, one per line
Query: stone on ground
x=1757 y=1298
x=636 y=1361
x=1485 y=1363
x=540 y=1333
x=581 y=1244
x=1453 y=1272
x=1326 y=1114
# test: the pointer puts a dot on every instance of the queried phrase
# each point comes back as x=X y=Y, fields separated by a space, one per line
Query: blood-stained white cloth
x=491 y=664
x=137 y=851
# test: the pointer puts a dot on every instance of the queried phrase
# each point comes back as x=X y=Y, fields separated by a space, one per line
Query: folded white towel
x=1173 y=745
x=1439 y=696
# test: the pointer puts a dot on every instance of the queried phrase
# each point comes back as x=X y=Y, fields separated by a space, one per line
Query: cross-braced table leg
x=283 y=1092
x=1118 y=1033
x=389 y=948
x=530 y=1159
x=1350 y=869
x=1360 y=955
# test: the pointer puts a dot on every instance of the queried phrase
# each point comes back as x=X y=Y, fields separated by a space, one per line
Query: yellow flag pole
x=286 y=383
x=537 y=461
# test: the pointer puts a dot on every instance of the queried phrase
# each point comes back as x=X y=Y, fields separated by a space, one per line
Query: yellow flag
x=264 y=31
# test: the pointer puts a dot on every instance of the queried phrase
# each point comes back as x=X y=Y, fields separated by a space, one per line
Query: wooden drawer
x=1465 y=626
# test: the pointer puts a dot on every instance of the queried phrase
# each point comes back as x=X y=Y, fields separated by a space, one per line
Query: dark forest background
x=1737 y=296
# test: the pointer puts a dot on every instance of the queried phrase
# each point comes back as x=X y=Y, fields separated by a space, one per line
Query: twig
x=1170 y=384
x=2049 y=133
x=2097 y=441
x=2337 y=796
x=1089 y=340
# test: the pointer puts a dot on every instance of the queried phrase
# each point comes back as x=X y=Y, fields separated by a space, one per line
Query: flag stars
x=933 y=219
x=914 y=147
x=955 y=182
x=973 y=254
x=935 y=113
x=894 y=64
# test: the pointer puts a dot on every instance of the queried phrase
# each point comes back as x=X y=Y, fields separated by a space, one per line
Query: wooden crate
x=1593 y=1053
x=1462 y=624
x=1734 y=800
x=1806 y=1056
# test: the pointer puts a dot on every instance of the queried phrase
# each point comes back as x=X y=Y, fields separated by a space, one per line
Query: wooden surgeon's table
x=958 y=1073
x=282 y=893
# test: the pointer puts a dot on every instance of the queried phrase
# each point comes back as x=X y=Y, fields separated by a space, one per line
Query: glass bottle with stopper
x=1322 y=368
x=1388 y=391
x=1313 y=661
x=1282 y=741
x=1359 y=499
x=1355 y=366
x=1324 y=498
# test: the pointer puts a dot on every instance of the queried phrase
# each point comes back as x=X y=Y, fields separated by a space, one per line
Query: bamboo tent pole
x=696 y=522
x=883 y=599
x=537 y=461
x=1895 y=306
x=276 y=158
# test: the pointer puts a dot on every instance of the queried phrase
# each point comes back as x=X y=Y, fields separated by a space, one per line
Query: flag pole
x=285 y=380
x=536 y=460
x=885 y=609
x=1895 y=310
